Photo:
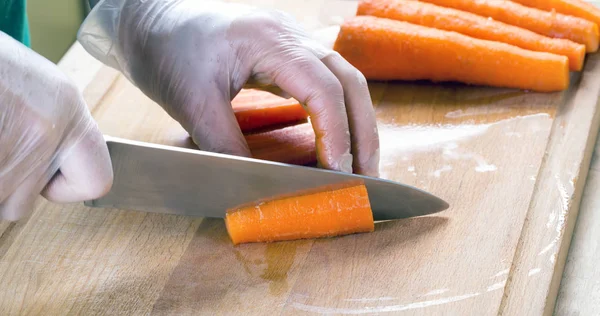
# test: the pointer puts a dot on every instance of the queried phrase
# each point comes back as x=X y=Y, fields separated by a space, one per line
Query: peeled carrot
x=255 y=109
x=324 y=213
x=473 y=25
x=384 y=49
x=293 y=144
x=578 y=8
x=546 y=23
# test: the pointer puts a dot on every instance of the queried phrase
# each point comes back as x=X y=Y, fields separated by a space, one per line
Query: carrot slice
x=293 y=144
x=550 y=24
x=473 y=25
x=384 y=49
x=256 y=109
x=324 y=213
x=578 y=8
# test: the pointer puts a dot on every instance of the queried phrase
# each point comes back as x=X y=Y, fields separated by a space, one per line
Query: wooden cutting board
x=512 y=165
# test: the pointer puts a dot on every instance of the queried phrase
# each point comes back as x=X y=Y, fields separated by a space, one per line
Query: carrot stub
x=578 y=8
x=256 y=109
x=327 y=213
x=473 y=25
x=546 y=23
x=292 y=144
x=385 y=49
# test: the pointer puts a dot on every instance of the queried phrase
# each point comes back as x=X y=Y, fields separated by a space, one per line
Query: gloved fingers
x=361 y=115
x=21 y=201
x=252 y=83
x=310 y=82
x=30 y=143
x=21 y=134
x=84 y=173
x=213 y=125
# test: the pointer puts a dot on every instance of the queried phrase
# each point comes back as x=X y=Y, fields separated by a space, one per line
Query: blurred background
x=54 y=24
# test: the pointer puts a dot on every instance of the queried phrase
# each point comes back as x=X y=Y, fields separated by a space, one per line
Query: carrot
x=293 y=144
x=546 y=23
x=578 y=8
x=255 y=109
x=473 y=25
x=318 y=214
x=384 y=49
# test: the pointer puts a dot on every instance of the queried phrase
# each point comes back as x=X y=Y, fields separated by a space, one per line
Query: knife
x=172 y=180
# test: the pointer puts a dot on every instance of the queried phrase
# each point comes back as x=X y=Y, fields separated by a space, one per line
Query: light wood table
x=511 y=164
x=580 y=287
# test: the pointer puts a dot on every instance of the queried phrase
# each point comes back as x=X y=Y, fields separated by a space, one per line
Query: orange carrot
x=550 y=24
x=255 y=109
x=326 y=213
x=293 y=144
x=473 y=25
x=578 y=8
x=384 y=49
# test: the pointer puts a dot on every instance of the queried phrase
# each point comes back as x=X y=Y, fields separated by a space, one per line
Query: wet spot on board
x=275 y=264
x=279 y=259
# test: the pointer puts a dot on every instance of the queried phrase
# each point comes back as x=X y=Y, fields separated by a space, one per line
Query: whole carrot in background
x=546 y=23
x=473 y=25
x=578 y=8
x=322 y=213
x=385 y=49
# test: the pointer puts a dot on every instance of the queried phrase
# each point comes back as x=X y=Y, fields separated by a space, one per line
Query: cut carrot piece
x=384 y=49
x=473 y=25
x=324 y=213
x=550 y=24
x=578 y=8
x=256 y=109
x=293 y=144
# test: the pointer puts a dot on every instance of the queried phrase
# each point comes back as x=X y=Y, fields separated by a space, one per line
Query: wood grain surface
x=512 y=164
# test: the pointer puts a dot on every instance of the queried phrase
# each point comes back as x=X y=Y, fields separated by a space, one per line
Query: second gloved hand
x=193 y=57
x=49 y=142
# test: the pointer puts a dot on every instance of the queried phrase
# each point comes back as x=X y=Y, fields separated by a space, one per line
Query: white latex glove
x=193 y=57
x=49 y=142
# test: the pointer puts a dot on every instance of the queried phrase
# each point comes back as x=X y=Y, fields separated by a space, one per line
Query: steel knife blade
x=166 y=179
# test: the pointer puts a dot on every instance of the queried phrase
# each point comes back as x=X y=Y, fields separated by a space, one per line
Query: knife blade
x=172 y=180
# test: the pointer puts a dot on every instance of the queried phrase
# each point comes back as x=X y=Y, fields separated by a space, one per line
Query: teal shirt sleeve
x=13 y=20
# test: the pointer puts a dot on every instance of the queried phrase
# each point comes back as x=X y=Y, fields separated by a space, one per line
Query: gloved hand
x=193 y=57
x=49 y=142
